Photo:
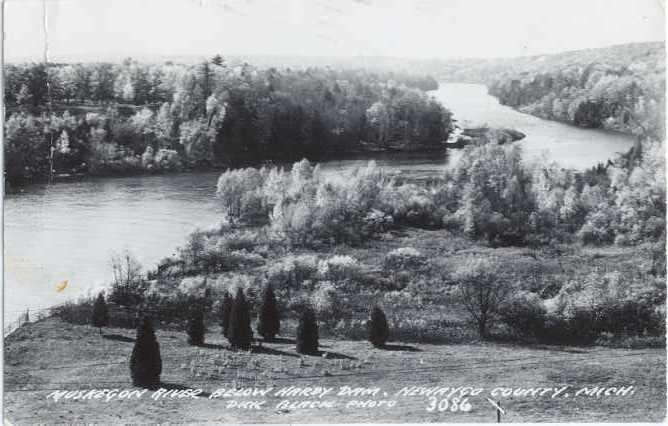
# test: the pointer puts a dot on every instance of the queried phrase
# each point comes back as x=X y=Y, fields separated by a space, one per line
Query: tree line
x=619 y=88
x=133 y=117
x=235 y=322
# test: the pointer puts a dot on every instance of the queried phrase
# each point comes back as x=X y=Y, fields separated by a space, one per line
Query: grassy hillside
x=54 y=355
x=51 y=355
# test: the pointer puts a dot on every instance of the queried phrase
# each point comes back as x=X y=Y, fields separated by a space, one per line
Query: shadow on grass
x=271 y=351
x=331 y=355
x=118 y=337
x=279 y=340
x=557 y=348
x=573 y=347
x=400 y=348
x=213 y=346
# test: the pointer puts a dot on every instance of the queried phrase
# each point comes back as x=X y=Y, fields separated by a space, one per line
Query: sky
x=398 y=28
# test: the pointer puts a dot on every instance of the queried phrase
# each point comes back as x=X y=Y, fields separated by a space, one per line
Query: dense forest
x=103 y=118
x=620 y=88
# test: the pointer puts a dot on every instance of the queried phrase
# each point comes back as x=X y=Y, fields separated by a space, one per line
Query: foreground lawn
x=52 y=355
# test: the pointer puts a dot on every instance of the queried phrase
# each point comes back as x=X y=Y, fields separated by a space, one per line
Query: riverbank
x=70 y=230
x=460 y=138
x=371 y=152
x=568 y=145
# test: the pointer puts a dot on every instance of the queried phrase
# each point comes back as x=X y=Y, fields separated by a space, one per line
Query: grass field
x=52 y=355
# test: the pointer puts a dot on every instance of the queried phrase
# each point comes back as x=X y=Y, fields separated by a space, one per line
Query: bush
x=326 y=303
x=339 y=269
x=314 y=210
x=167 y=159
x=207 y=253
x=300 y=304
x=79 y=312
x=525 y=314
x=240 y=192
x=195 y=327
x=436 y=330
x=291 y=272
x=240 y=333
x=598 y=303
x=403 y=258
x=250 y=285
x=377 y=221
x=307 y=333
x=225 y=312
x=145 y=361
x=100 y=317
x=269 y=322
x=193 y=286
x=629 y=317
x=598 y=229
x=377 y=328
x=413 y=206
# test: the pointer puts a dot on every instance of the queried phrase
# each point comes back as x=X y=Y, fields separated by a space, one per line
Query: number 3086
x=454 y=405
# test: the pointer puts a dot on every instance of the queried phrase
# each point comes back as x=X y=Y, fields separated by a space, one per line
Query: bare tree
x=483 y=287
x=128 y=281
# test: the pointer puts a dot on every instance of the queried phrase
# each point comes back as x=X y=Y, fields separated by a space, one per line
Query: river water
x=70 y=230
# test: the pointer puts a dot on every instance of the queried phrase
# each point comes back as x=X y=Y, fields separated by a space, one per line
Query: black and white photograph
x=333 y=211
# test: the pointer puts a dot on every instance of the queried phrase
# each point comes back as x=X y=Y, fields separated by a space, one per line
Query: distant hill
x=474 y=70
x=619 y=88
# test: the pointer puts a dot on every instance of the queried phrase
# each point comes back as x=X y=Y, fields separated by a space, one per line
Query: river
x=69 y=231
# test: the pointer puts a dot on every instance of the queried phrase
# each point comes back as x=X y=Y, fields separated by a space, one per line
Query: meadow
x=81 y=359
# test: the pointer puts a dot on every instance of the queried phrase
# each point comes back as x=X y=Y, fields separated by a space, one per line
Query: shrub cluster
x=489 y=194
x=305 y=208
x=595 y=305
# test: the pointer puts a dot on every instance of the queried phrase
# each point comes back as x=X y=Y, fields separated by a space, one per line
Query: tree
x=378 y=117
x=217 y=60
x=37 y=78
x=196 y=141
x=164 y=126
x=145 y=361
x=82 y=82
x=482 y=289
x=307 y=333
x=195 y=327
x=225 y=312
x=234 y=187
x=377 y=327
x=269 y=321
x=25 y=149
x=24 y=97
x=67 y=83
x=128 y=285
x=240 y=333
x=100 y=313
x=102 y=82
